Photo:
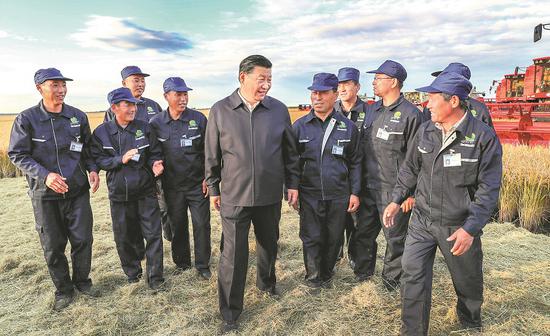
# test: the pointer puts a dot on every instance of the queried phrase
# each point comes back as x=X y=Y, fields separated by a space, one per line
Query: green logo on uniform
x=149 y=109
x=474 y=113
x=397 y=115
x=470 y=138
x=74 y=120
x=342 y=125
x=362 y=115
x=139 y=133
x=192 y=123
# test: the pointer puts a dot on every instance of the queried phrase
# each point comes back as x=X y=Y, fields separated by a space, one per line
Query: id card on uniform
x=136 y=157
x=382 y=134
x=337 y=150
x=186 y=142
x=452 y=160
x=76 y=146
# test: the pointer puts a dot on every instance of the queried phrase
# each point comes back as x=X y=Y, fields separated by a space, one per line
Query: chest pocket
x=338 y=144
x=307 y=148
x=469 y=158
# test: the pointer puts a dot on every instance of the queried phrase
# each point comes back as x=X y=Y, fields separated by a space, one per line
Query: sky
x=204 y=41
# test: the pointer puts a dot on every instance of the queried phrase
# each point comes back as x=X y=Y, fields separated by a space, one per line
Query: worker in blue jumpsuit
x=477 y=108
x=389 y=127
x=181 y=131
x=50 y=144
x=352 y=107
x=126 y=148
x=454 y=169
x=330 y=180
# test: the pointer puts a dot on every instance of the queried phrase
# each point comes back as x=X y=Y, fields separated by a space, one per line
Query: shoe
x=327 y=284
x=90 y=291
x=133 y=280
x=362 y=277
x=228 y=326
x=158 y=286
x=271 y=291
x=391 y=285
x=313 y=283
x=205 y=273
x=62 y=301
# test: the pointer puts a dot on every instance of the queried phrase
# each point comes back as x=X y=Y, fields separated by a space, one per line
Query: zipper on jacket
x=253 y=171
x=56 y=151
x=126 y=187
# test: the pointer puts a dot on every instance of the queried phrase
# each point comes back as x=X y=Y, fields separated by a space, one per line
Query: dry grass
x=525 y=193
x=517 y=283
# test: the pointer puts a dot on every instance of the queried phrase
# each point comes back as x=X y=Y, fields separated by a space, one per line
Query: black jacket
x=357 y=113
x=182 y=143
x=146 y=109
x=133 y=180
x=464 y=194
x=40 y=143
x=330 y=159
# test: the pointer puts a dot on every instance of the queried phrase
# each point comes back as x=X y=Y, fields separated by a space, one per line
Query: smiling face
x=124 y=112
x=136 y=84
x=256 y=84
x=177 y=101
x=440 y=108
x=323 y=101
x=347 y=90
x=53 y=91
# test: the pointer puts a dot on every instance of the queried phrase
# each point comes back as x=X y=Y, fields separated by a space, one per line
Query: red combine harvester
x=521 y=109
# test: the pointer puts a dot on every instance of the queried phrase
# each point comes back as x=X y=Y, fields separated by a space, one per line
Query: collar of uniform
x=65 y=112
x=311 y=115
x=114 y=128
x=459 y=126
x=357 y=107
x=392 y=106
x=184 y=116
x=236 y=101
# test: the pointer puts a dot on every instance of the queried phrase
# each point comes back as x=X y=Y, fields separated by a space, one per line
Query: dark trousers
x=233 y=264
x=322 y=232
x=60 y=221
x=178 y=202
x=349 y=230
x=142 y=218
x=369 y=224
x=416 y=284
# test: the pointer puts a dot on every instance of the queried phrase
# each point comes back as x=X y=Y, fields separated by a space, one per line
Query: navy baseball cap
x=132 y=70
x=458 y=68
x=175 y=84
x=324 y=81
x=449 y=83
x=346 y=74
x=43 y=75
x=392 y=69
x=121 y=94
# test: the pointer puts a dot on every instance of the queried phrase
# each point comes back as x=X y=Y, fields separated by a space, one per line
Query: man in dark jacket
x=50 y=143
x=328 y=144
x=454 y=167
x=389 y=127
x=251 y=151
x=181 y=131
x=128 y=151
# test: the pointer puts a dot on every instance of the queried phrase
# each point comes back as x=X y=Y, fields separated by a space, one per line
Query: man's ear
x=455 y=102
x=124 y=82
x=39 y=88
x=242 y=74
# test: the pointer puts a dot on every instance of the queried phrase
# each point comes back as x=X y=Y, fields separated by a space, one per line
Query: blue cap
x=43 y=75
x=175 y=84
x=346 y=74
x=449 y=83
x=132 y=70
x=392 y=69
x=458 y=68
x=324 y=81
x=121 y=94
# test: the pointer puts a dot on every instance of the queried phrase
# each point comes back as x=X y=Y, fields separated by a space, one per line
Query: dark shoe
x=205 y=273
x=133 y=280
x=180 y=269
x=90 y=291
x=228 y=326
x=158 y=286
x=391 y=285
x=327 y=284
x=271 y=291
x=62 y=301
x=362 y=277
x=314 y=283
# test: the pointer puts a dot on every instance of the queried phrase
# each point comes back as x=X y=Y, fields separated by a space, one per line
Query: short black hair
x=247 y=65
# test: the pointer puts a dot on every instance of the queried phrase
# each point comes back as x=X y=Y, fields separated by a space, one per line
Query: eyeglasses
x=380 y=78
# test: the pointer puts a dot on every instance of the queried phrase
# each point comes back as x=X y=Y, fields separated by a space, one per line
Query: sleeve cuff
x=214 y=190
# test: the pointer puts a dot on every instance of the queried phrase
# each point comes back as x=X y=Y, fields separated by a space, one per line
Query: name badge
x=186 y=142
x=452 y=160
x=76 y=146
x=382 y=134
x=337 y=150
x=136 y=157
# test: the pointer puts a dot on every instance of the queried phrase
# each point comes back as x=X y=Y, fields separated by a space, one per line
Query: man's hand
x=158 y=168
x=128 y=155
x=216 y=202
x=204 y=188
x=408 y=204
x=389 y=214
x=353 y=203
x=93 y=177
x=56 y=183
x=463 y=242
x=292 y=195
